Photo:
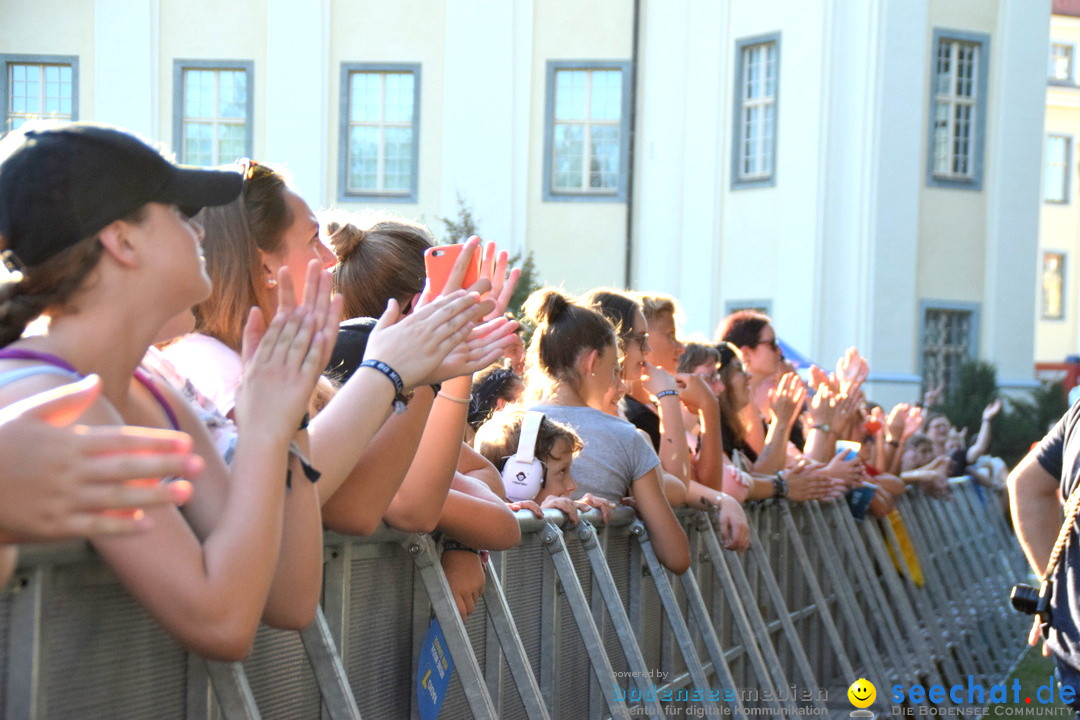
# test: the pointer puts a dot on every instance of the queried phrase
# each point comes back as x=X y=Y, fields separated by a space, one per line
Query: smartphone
x=439 y=261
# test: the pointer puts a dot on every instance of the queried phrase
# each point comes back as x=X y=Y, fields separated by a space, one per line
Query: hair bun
x=546 y=305
x=344 y=237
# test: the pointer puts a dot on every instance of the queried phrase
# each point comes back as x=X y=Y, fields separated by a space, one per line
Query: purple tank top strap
x=149 y=385
x=19 y=354
x=50 y=359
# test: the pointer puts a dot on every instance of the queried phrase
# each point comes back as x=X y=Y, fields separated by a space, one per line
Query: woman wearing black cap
x=91 y=219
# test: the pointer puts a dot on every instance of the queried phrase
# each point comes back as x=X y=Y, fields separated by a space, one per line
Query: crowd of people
x=199 y=373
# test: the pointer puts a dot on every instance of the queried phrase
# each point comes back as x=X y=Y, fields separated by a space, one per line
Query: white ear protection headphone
x=523 y=474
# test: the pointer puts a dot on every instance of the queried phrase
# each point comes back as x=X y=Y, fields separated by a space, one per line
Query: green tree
x=460 y=228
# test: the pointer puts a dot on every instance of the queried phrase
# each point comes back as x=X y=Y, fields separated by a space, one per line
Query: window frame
x=975 y=182
x=1066 y=170
x=926 y=305
x=1071 y=79
x=550 y=194
x=735 y=305
x=741 y=44
x=6 y=60
x=179 y=66
x=344 y=195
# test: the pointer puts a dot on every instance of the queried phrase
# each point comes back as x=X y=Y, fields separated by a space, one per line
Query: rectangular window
x=1061 y=62
x=756 y=80
x=1056 y=169
x=214 y=106
x=380 y=147
x=38 y=87
x=587 y=131
x=958 y=102
x=948 y=340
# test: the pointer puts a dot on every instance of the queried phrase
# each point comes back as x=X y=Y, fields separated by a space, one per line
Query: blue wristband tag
x=433 y=672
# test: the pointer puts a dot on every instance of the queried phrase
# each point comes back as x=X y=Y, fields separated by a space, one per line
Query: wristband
x=665 y=393
x=455 y=545
x=779 y=486
x=400 y=398
x=826 y=428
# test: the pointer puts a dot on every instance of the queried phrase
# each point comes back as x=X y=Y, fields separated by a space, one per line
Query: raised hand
x=694 y=392
x=896 y=422
x=933 y=396
x=823 y=406
x=914 y=421
x=787 y=399
x=819 y=378
x=991 y=410
x=61 y=480
x=494 y=270
x=657 y=380
x=851 y=371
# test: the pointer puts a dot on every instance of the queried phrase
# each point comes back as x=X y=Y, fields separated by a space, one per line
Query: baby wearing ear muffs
x=534 y=454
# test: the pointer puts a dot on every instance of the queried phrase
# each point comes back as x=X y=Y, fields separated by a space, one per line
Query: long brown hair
x=377 y=261
x=234 y=235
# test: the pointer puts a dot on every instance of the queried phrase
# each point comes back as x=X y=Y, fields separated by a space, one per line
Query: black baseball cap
x=62 y=184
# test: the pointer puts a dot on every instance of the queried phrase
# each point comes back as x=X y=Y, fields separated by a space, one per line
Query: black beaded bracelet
x=779 y=486
x=455 y=545
x=400 y=398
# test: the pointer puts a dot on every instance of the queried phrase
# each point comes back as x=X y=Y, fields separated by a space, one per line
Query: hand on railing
x=465 y=575
x=734 y=528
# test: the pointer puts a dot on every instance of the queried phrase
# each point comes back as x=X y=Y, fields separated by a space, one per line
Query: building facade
x=867 y=171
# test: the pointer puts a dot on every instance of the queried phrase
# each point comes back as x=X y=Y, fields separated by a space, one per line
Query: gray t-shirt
x=615 y=453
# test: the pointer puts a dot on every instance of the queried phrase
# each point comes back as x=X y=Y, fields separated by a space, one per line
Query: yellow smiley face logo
x=862 y=693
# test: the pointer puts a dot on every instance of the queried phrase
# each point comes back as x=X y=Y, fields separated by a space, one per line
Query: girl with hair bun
x=574 y=355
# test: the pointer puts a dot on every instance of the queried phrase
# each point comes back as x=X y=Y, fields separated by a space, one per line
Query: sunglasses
x=642 y=339
x=771 y=343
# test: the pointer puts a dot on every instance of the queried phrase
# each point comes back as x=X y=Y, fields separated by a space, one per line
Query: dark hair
x=234 y=235
x=732 y=430
x=491 y=384
x=697 y=354
x=564 y=330
x=50 y=284
x=382 y=262
x=619 y=307
x=742 y=328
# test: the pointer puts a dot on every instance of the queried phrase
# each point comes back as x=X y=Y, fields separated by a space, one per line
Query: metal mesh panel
x=103 y=656
x=522 y=580
x=573 y=664
x=455 y=705
x=380 y=654
x=5 y=643
x=652 y=620
x=281 y=677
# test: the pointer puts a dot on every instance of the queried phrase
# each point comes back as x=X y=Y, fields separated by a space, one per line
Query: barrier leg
x=941 y=579
x=776 y=598
x=818 y=595
x=752 y=628
x=863 y=570
x=845 y=596
x=510 y=643
x=605 y=583
x=552 y=538
x=678 y=625
x=426 y=557
x=927 y=619
x=329 y=672
x=232 y=690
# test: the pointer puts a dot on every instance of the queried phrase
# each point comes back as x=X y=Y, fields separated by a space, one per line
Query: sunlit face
x=763 y=358
x=616 y=392
x=635 y=348
x=737 y=384
x=665 y=346
x=558 y=481
x=601 y=380
x=177 y=240
x=938 y=429
x=711 y=375
x=301 y=243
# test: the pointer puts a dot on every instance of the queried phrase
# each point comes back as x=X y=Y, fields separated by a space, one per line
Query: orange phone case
x=439 y=261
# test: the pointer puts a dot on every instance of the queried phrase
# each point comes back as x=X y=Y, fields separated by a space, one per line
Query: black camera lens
x=1025 y=599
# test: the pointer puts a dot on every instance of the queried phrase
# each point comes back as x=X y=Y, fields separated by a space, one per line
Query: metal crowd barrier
x=576 y=622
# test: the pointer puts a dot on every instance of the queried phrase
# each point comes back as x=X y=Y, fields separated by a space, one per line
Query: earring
x=271 y=282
